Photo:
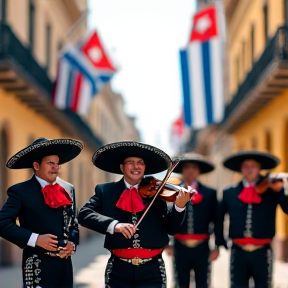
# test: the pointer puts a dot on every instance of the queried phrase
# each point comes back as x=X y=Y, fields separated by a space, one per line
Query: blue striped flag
x=202 y=76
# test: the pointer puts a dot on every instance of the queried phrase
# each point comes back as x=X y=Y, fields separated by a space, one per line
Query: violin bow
x=169 y=171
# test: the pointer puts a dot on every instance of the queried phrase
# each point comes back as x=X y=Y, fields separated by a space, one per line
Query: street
x=90 y=261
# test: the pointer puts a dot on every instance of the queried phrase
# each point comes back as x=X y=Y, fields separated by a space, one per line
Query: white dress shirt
x=112 y=225
x=33 y=238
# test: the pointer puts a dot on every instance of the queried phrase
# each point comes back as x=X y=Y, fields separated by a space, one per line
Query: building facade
x=256 y=81
x=31 y=35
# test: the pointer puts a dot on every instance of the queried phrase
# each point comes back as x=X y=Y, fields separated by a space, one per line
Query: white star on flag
x=95 y=54
x=203 y=24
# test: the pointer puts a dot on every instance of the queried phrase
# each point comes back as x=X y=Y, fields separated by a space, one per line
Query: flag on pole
x=83 y=70
x=202 y=76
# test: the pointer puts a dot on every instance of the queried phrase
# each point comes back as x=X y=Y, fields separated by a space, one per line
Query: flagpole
x=75 y=26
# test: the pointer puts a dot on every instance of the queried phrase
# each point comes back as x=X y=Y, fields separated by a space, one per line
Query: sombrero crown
x=205 y=166
x=110 y=156
x=65 y=149
x=267 y=160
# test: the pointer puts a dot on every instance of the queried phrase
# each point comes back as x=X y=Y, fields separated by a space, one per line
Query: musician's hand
x=213 y=255
x=69 y=248
x=48 y=242
x=183 y=198
x=169 y=250
x=126 y=229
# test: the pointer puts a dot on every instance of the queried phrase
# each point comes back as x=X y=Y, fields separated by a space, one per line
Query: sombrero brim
x=204 y=166
x=266 y=160
x=109 y=157
x=65 y=149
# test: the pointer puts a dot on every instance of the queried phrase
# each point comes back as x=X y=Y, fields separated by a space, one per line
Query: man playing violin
x=191 y=247
x=116 y=207
x=252 y=219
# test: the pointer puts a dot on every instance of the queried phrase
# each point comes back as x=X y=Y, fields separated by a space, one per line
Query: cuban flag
x=83 y=70
x=202 y=76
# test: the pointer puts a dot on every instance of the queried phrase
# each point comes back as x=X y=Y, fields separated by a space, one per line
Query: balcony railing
x=276 y=51
x=16 y=57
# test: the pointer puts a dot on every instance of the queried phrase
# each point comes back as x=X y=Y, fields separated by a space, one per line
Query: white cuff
x=179 y=209
x=33 y=239
x=111 y=226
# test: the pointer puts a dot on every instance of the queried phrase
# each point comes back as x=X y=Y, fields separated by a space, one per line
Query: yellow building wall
x=250 y=12
x=273 y=120
x=23 y=125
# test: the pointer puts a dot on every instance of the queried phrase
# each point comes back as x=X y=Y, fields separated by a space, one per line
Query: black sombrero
x=65 y=149
x=110 y=156
x=266 y=160
x=205 y=166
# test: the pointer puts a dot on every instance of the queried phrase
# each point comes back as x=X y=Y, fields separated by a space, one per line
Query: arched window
x=268 y=141
x=3 y=169
x=5 y=247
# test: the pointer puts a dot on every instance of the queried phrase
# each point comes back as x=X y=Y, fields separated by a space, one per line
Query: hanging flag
x=83 y=70
x=201 y=69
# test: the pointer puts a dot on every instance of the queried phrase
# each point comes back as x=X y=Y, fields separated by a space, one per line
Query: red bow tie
x=56 y=196
x=196 y=198
x=130 y=201
x=249 y=195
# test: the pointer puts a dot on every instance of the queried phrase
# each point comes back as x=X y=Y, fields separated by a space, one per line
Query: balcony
x=267 y=79
x=21 y=75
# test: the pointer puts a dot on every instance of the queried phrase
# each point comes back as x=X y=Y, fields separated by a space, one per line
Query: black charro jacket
x=153 y=231
x=263 y=214
x=26 y=201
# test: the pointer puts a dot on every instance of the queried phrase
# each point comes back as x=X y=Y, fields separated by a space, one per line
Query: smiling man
x=45 y=204
x=116 y=207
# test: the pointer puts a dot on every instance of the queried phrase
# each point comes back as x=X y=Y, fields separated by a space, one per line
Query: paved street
x=90 y=260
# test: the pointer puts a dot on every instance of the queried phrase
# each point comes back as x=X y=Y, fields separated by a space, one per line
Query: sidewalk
x=90 y=261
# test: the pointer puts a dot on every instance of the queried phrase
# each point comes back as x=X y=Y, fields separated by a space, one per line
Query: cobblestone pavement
x=90 y=261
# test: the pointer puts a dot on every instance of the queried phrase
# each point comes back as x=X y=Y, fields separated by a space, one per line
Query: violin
x=272 y=181
x=149 y=186
x=157 y=187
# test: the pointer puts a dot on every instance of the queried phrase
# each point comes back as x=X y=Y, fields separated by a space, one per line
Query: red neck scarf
x=130 y=201
x=249 y=195
x=197 y=197
x=56 y=196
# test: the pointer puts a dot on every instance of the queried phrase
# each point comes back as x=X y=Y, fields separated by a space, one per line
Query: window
x=5 y=247
x=48 y=46
x=237 y=71
x=3 y=10
x=285 y=9
x=252 y=43
x=254 y=143
x=265 y=14
x=31 y=24
x=243 y=57
x=268 y=141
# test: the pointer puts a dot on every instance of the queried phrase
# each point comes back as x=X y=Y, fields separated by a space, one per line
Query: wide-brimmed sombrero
x=110 y=156
x=267 y=160
x=204 y=165
x=65 y=149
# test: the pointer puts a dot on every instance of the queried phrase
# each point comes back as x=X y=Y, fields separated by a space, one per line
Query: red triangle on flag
x=94 y=51
x=204 y=25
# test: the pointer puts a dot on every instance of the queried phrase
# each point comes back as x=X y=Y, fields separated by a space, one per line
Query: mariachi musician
x=251 y=205
x=45 y=204
x=117 y=207
x=191 y=247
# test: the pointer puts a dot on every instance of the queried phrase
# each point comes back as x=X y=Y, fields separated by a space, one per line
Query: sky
x=143 y=37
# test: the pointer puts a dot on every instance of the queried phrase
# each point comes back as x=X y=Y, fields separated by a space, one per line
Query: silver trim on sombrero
x=45 y=143
x=130 y=144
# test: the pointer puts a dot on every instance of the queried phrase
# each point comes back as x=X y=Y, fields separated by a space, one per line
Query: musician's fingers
x=124 y=234
x=130 y=230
